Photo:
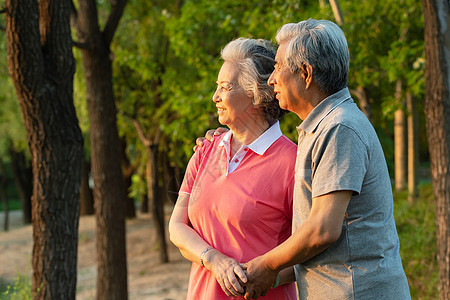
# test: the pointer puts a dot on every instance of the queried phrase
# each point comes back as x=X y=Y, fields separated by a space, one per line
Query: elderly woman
x=235 y=202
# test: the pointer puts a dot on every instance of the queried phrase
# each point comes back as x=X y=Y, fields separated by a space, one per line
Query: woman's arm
x=182 y=235
x=287 y=275
x=192 y=246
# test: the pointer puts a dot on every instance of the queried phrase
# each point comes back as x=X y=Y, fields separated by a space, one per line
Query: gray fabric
x=338 y=149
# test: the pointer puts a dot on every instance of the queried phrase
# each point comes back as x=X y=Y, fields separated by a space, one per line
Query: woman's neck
x=247 y=133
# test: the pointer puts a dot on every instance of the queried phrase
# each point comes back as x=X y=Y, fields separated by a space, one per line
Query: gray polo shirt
x=338 y=149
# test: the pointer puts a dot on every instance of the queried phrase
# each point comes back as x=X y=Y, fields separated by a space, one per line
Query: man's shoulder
x=350 y=116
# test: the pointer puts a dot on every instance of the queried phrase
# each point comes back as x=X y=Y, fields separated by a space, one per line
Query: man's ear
x=307 y=74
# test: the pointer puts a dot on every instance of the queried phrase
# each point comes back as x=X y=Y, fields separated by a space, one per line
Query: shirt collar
x=262 y=143
x=326 y=106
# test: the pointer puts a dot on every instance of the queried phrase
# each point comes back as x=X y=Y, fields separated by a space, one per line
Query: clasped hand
x=228 y=273
x=250 y=280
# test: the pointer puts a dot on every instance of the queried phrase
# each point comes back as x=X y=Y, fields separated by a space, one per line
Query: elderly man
x=344 y=243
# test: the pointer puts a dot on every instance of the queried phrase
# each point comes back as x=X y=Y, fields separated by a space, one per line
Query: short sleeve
x=289 y=198
x=193 y=167
x=339 y=162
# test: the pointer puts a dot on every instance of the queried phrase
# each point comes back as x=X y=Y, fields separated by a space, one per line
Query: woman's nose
x=215 y=97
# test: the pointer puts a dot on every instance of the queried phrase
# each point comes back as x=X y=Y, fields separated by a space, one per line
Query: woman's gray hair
x=255 y=59
x=320 y=44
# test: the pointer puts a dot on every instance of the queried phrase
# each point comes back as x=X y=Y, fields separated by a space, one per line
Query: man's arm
x=322 y=228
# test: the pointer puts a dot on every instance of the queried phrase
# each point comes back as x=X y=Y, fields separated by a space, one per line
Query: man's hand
x=260 y=278
x=209 y=135
x=227 y=272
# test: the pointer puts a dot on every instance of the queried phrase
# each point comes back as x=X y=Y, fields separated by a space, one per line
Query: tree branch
x=81 y=45
x=157 y=136
x=113 y=20
x=144 y=139
x=73 y=16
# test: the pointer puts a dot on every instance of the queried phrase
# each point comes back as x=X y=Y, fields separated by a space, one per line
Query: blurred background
x=143 y=75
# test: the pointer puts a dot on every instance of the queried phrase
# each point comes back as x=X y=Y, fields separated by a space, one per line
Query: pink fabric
x=243 y=214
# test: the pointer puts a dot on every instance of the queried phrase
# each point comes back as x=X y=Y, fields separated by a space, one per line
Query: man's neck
x=312 y=98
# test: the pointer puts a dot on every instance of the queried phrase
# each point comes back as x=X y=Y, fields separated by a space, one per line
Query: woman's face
x=234 y=105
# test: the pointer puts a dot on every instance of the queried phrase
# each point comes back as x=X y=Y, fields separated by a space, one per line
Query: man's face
x=287 y=85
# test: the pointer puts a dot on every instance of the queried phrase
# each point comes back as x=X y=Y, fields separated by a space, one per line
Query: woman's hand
x=209 y=135
x=225 y=270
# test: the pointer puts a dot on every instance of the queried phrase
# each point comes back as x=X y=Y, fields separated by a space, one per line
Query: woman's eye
x=225 y=87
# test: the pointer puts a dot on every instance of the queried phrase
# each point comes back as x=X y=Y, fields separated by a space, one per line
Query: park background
x=143 y=75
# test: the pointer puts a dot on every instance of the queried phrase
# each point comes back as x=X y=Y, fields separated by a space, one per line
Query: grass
x=13 y=197
x=13 y=204
x=416 y=226
x=19 y=290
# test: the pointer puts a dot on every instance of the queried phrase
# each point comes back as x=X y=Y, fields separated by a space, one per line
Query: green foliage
x=386 y=44
x=417 y=233
x=80 y=102
x=20 y=290
x=12 y=129
x=167 y=58
x=13 y=136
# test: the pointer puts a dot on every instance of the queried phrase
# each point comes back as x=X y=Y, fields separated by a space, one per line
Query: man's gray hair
x=320 y=44
x=255 y=59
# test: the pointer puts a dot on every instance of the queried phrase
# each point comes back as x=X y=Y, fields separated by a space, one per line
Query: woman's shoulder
x=209 y=145
x=286 y=143
x=284 y=149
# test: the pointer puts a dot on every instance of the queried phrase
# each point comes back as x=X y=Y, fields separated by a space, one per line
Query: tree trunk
x=130 y=208
x=171 y=183
x=437 y=111
x=23 y=178
x=400 y=143
x=109 y=190
x=128 y=171
x=155 y=196
x=4 y=199
x=337 y=12
x=42 y=66
x=413 y=152
x=157 y=201
x=86 y=197
x=144 y=203
x=364 y=103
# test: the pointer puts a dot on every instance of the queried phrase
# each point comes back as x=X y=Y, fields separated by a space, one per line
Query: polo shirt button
x=236 y=160
x=245 y=149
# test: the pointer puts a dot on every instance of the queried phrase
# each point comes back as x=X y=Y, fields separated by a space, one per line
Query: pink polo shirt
x=243 y=213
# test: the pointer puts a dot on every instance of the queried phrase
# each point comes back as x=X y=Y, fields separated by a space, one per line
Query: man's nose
x=271 y=81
